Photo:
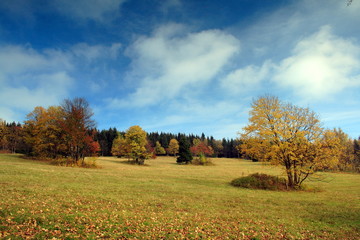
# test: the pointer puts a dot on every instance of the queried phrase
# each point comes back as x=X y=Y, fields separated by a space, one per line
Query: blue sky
x=188 y=66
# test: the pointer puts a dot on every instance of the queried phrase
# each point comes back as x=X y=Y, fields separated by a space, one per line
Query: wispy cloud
x=92 y=53
x=172 y=59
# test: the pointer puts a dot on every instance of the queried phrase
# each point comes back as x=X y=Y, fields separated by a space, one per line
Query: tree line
x=278 y=132
x=226 y=148
x=68 y=131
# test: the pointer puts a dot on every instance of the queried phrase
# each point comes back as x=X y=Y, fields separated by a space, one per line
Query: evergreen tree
x=184 y=151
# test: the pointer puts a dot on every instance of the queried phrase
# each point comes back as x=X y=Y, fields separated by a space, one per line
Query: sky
x=189 y=66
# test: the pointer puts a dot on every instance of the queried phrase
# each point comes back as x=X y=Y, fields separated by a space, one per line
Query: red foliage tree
x=201 y=148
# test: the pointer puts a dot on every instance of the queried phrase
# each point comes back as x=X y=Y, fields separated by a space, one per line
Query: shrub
x=260 y=181
x=202 y=160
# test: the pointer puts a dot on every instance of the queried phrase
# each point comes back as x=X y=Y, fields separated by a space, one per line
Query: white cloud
x=98 y=10
x=172 y=59
x=29 y=78
x=246 y=79
x=321 y=66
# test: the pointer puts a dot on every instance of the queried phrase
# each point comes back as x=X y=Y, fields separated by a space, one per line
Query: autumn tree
x=201 y=148
x=136 y=141
x=173 y=148
x=77 y=123
x=290 y=136
x=3 y=131
x=43 y=132
x=120 y=147
x=62 y=131
x=159 y=150
x=184 y=151
x=357 y=155
x=347 y=159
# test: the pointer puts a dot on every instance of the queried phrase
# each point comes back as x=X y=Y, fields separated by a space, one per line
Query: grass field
x=169 y=201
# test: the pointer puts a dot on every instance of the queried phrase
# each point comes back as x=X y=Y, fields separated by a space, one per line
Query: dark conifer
x=184 y=151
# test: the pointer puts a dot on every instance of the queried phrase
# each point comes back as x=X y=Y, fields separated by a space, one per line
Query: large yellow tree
x=290 y=136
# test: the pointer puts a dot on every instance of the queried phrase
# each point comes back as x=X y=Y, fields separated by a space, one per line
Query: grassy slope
x=166 y=200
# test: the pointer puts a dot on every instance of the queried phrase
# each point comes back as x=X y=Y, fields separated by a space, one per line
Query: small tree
x=184 y=151
x=173 y=147
x=159 y=150
x=201 y=148
x=289 y=136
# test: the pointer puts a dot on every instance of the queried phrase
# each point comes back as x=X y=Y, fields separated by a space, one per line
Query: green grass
x=169 y=201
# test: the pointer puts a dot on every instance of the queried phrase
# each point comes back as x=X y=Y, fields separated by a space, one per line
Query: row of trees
x=220 y=148
x=293 y=137
x=160 y=143
x=67 y=131
x=135 y=145
x=278 y=132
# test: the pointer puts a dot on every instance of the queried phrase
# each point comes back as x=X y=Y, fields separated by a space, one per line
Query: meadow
x=164 y=200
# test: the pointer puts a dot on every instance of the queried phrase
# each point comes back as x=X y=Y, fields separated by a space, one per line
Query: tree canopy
x=290 y=136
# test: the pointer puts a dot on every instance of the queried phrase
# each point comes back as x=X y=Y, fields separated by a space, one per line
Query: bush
x=202 y=160
x=260 y=181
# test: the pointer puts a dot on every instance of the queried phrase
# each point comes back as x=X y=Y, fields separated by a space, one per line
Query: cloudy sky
x=188 y=66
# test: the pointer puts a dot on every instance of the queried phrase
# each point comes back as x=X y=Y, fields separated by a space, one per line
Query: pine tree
x=184 y=151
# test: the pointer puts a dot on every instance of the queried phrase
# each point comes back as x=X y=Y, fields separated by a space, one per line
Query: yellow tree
x=173 y=147
x=159 y=150
x=289 y=136
x=120 y=147
x=347 y=159
x=136 y=140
